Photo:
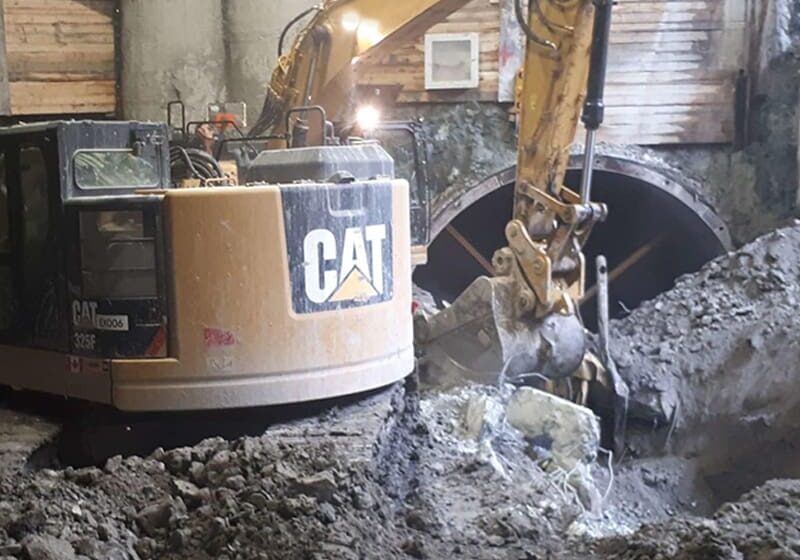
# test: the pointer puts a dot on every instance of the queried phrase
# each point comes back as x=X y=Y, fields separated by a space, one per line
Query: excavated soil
x=717 y=359
x=385 y=477
x=714 y=366
x=764 y=524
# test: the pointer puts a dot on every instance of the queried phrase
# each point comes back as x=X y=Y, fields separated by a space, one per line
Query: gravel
x=713 y=365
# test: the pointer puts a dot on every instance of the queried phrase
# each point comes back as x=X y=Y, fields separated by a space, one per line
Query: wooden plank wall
x=671 y=79
x=60 y=56
x=406 y=66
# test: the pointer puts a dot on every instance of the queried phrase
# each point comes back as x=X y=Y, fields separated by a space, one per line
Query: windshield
x=109 y=169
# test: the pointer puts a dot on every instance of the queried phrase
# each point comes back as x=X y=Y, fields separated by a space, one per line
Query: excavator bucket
x=479 y=338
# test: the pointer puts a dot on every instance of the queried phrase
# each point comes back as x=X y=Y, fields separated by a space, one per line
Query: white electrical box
x=452 y=60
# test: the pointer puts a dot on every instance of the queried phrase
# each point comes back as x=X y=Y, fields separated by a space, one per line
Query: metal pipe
x=470 y=248
x=588 y=166
x=623 y=267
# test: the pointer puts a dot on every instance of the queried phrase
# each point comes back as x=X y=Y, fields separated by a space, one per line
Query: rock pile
x=718 y=356
x=715 y=361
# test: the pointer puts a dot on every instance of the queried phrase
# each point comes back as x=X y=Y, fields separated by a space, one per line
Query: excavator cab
x=406 y=142
x=73 y=230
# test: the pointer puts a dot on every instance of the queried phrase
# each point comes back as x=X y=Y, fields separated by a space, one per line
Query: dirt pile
x=718 y=356
x=311 y=489
x=764 y=524
x=716 y=363
x=384 y=478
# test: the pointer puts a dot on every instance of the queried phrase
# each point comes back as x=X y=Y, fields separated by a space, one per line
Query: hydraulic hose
x=193 y=163
x=291 y=24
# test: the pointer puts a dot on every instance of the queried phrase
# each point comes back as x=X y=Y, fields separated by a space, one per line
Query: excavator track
x=81 y=434
x=22 y=436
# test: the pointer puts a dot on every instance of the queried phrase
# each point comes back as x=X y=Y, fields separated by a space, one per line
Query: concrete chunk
x=569 y=431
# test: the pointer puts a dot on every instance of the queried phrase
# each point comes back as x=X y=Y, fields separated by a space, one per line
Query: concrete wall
x=199 y=51
x=171 y=50
x=252 y=31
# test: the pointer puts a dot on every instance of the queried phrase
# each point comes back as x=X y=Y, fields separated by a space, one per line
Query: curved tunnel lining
x=657 y=230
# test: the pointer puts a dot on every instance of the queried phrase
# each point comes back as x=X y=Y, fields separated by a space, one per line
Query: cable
x=193 y=163
x=528 y=31
x=291 y=24
x=552 y=26
x=610 y=454
x=271 y=112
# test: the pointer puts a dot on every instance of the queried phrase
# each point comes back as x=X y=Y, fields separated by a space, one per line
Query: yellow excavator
x=125 y=290
x=123 y=286
x=522 y=324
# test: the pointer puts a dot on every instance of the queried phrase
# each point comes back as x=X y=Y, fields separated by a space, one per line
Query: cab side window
x=35 y=208
x=5 y=251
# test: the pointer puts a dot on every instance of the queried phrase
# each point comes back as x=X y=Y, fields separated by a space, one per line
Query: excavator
x=297 y=285
x=283 y=279
x=523 y=324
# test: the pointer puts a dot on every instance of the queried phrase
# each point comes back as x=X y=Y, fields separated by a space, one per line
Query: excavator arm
x=342 y=35
x=523 y=325
x=550 y=222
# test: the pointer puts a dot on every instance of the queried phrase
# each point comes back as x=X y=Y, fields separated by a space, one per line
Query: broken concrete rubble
x=571 y=433
x=481 y=415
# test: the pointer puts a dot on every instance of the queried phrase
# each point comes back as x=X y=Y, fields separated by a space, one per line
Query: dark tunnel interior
x=650 y=238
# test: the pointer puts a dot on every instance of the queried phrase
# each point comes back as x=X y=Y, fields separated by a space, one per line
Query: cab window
x=5 y=251
x=113 y=169
x=35 y=208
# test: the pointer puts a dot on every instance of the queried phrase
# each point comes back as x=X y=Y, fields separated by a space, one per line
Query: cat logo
x=339 y=241
x=348 y=270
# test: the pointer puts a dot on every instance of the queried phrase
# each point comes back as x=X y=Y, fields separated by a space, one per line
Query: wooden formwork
x=58 y=57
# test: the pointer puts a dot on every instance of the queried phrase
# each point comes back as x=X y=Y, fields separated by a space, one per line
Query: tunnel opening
x=653 y=235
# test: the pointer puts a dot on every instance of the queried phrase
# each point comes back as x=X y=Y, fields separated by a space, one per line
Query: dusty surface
x=377 y=479
x=402 y=474
x=763 y=524
x=306 y=489
x=21 y=435
x=719 y=359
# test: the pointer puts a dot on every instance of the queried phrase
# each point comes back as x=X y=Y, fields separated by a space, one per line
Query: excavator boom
x=327 y=52
x=553 y=87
